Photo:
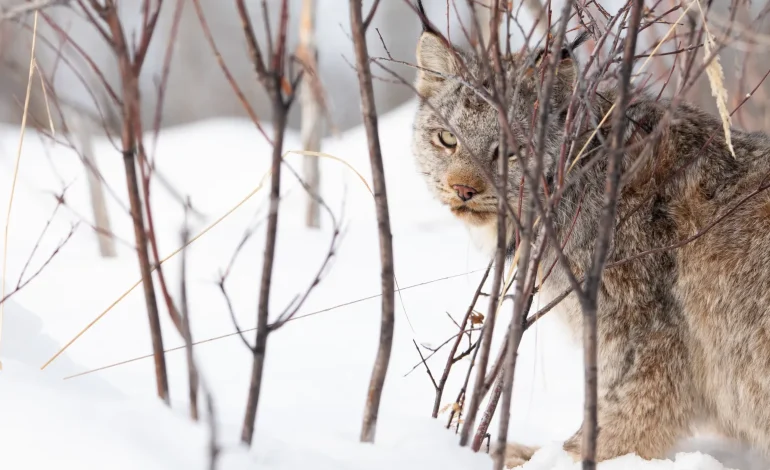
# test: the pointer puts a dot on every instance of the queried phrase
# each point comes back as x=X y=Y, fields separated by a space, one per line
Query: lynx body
x=684 y=333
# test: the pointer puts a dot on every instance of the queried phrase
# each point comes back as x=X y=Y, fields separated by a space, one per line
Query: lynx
x=684 y=333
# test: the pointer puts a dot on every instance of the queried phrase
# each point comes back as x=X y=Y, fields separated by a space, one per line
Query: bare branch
x=229 y=76
x=274 y=81
x=22 y=284
x=370 y=16
x=450 y=358
x=369 y=112
x=590 y=300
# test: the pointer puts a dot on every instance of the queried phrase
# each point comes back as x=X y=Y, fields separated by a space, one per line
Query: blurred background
x=69 y=49
x=197 y=87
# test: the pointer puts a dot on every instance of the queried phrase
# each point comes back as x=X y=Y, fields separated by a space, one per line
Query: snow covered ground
x=318 y=366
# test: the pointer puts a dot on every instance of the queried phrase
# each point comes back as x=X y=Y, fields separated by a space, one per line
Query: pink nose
x=464 y=192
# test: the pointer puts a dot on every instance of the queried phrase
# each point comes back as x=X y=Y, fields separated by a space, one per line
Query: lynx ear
x=433 y=55
x=566 y=69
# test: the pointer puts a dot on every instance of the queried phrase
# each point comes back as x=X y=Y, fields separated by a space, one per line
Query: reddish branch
x=590 y=299
x=499 y=93
x=281 y=92
x=178 y=9
x=228 y=75
x=451 y=358
x=22 y=283
x=489 y=412
x=369 y=111
x=192 y=370
x=130 y=67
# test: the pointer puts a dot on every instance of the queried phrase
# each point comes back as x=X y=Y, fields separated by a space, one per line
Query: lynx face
x=456 y=132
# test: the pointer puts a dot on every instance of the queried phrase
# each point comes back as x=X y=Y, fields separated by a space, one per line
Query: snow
x=318 y=366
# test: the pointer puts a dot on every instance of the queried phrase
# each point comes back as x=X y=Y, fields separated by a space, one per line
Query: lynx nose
x=464 y=192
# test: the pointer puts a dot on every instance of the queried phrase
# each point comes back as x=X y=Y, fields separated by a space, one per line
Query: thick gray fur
x=684 y=334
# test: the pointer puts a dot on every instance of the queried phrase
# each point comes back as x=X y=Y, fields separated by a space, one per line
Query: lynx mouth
x=472 y=216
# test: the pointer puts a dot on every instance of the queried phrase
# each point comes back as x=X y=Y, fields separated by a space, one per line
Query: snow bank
x=318 y=366
x=554 y=458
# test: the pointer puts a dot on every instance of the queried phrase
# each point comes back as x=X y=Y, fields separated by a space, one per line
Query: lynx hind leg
x=517 y=455
x=649 y=407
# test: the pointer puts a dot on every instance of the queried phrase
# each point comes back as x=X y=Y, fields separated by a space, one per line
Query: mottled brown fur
x=684 y=334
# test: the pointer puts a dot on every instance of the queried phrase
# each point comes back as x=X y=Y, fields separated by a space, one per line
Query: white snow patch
x=318 y=367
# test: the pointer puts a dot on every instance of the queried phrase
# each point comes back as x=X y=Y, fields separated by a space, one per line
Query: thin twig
x=298 y=317
x=450 y=359
x=192 y=370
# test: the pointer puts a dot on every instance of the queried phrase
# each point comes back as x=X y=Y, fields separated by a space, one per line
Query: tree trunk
x=483 y=15
x=311 y=114
x=83 y=132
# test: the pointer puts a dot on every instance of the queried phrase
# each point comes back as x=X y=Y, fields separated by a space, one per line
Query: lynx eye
x=447 y=139
x=514 y=155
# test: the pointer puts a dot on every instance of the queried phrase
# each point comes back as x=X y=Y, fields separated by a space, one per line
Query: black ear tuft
x=427 y=27
x=580 y=40
x=568 y=50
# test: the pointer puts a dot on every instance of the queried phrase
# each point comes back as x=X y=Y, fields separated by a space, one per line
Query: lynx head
x=456 y=132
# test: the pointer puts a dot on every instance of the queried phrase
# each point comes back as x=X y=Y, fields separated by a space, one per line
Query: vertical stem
x=260 y=347
x=369 y=112
x=310 y=128
x=590 y=301
x=485 y=18
x=522 y=303
x=502 y=232
x=83 y=129
x=130 y=68
x=192 y=371
x=130 y=110
x=489 y=323
x=486 y=418
x=144 y=266
x=450 y=358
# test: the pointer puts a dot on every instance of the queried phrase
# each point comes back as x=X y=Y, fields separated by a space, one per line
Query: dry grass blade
x=195 y=238
x=716 y=78
x=336 y=159
x=22 y=8
x=633 y=79
x=45 y=98
x=16 y=172
x=298 y=317
x=137 y=283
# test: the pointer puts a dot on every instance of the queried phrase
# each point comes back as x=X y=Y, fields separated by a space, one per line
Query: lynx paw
x=517 y=455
